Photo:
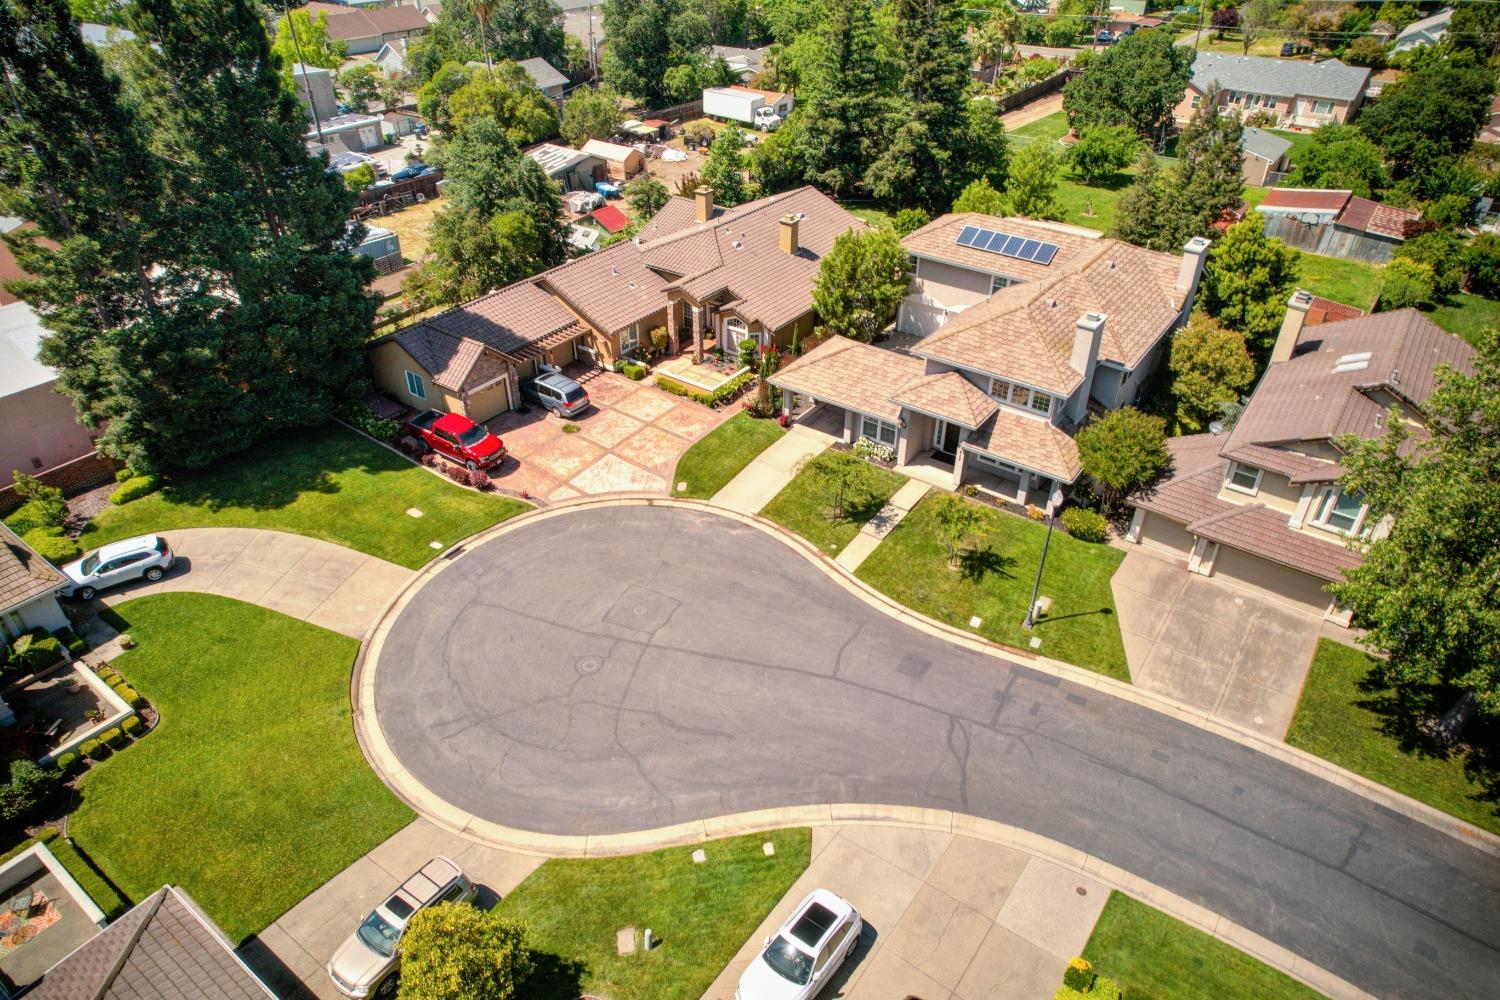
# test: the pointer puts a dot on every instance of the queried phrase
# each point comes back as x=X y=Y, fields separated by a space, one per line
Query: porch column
x=697 y=321
x=1137 y=520
x=513 y=386
x=674 y=324
x=960 y=464
x=1023 y=488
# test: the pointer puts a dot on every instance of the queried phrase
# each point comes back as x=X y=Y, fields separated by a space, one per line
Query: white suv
x=803 y=955
x=147 y=557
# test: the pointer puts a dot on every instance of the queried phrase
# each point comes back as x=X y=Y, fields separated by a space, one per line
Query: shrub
x=571 y=428
x=134 y=488
x=29 y=786
x=36 y=516
x=457 y=473
x=363 y=418
x=46 y=502
x=634 y=372
x=52 y=545
x=113 y=737
x=110 y=674
x=1084 y=525
x=131 y=725
x=479 y=479
x=124 y=474
x=1408 y=284
x=67 y=763
x=866 y=448
x=658 y=337
x=1068 y=993
x=130 y=696
x=76 y=646
x=1105 y=988
x=31 y=652
x=1122 y=450
x=94 y=750
x=1079 y=975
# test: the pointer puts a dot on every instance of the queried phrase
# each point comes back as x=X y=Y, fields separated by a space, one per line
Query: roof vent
x=614 y=271
x=1352 y=362
x=631 y=284
x=1395 y=376
x=1111 y=265
x=736 y=244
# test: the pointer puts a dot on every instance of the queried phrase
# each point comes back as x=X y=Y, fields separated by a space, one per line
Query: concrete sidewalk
x=873 y=531
x=947 y=917
x=307 y=578
x=772 y=469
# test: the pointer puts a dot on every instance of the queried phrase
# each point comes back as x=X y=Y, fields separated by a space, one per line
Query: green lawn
x=1351 y=282
x=1048 y=129
x=803 y=506
x=701 y=915
x=1157 y=957
x=327 y=482
x=1466 y=315
x=720 y=455
x=1343 y=718
x=1299 y=140
x=872 y=214
x=251 y=792
x=994 y=582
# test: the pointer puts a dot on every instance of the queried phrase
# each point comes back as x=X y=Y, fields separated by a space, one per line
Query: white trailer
x=763 y=109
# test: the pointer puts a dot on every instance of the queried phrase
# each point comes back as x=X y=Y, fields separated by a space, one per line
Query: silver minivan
x=368 y=962
x=147 y=557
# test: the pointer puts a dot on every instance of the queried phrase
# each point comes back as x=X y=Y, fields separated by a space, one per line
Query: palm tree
x=481 y=10
x=993 y=40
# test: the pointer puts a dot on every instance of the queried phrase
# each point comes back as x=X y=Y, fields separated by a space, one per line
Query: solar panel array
x=1007 y=245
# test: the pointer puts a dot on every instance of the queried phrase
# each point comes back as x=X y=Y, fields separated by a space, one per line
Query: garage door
x=1165 y=535
x=489 y=402
x=1273 y=580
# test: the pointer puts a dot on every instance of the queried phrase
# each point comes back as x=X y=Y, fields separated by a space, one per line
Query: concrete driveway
x=629 y=441
x=1227 y=651
x=695 y=666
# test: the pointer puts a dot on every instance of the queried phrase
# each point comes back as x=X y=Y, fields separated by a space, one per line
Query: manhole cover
x=589 y=665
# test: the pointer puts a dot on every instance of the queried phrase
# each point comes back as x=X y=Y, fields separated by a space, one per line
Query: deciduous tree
x=360 y=86
x=860 y=283
x=1122 y=450
x=1210 y=366
x=1247 y=280
x=1103 y=150
x=1340 y=157
x=455 y=951
x=311 y=41
x=958 y=519
x=508 y=95
x=1137 y=82
x=980 y=197
x=1432 y=115
x=1031 y=188
x=646 y=196
x=591 y=114
x=487 y=175
x=845 y=479
x=724 y=171
x=470 y=255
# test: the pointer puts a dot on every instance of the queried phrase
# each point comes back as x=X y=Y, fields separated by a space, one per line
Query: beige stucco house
x=1023 y=329
x=1301 y=93
x=1260 y=505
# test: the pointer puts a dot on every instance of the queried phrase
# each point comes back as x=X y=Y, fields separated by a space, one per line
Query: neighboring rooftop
x=543 y=73
x=611 y=218
x=24 y=575
x=1267 y=145
x=21 y=334
x=939 y=240
x=1347 y=210
x=555 y=159
x=1327 y=78
x=345 y=24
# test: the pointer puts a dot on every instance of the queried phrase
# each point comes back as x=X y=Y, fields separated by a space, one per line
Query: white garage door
x=1281 y=583
x=1166 y=535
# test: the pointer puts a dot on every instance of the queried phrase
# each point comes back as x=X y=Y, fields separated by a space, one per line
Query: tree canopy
x=311 y=41
x=591 y=114
x=510 y=29
x=647 y=38
x=1432 y=115
x=486 y=174
x=1122 y=450
x=1247 y=281
x=1340 y=156
x=724 y=170
x=1136 y=82
x=1210 y=367
x=860 y=283
x=455 y=951
x=508 y=95
x=1031 y=188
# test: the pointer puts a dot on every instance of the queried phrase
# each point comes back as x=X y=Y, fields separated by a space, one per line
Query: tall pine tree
x=1209 y=168
x=848 y=97
x=924 y=162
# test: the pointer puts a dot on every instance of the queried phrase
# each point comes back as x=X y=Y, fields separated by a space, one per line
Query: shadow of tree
x=1403 y=715
x=554 y=977
x=976 y=564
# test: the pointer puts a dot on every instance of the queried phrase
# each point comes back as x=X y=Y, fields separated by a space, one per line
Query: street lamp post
x=1052 y=503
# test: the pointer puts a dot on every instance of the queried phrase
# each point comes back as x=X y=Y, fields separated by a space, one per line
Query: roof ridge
x=1225 y=515
x=730 y=215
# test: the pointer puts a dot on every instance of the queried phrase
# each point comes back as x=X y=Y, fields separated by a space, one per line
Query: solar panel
x=1006 y=245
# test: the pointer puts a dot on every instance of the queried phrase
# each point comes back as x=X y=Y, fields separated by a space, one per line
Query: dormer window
x=1244 y=478
x=1337 y=511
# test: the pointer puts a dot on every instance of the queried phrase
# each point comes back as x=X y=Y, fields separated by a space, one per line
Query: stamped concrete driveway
x=687 y=666
x=1201 y=641
x=628 y=441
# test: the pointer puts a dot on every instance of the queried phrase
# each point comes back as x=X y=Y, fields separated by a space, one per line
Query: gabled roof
x=610 y=217
x=1434 y=25
x=611 y=151
x=555 y=159
x=938 y=240
x=852 y=375
x=1030 y=442
x=543 y=73
x=1373 y=217
x=950 y=396
x=611 y=289
x=24 y=575
x=448 y=359
x=345 y=24
x=1266 y=145
x=163 y=949
x=1279 y=77
x=1026 y=332
x=508 y=320
x=675 y=216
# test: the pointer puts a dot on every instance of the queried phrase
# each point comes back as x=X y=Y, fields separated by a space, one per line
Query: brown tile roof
x=1026 y=332
x=938 y=240
x=950 y=396
x=24 y=575
x=1323 y=310
x=1304 y=399
x=1374 y=217
x=852 y=375
x=1287 y=463
x=347 y=24
x=1036 y=444
x=611 y=289
x=163 y=949
x=676 y=215
x=448 y=359
x=506 y=320
x=1305 y=198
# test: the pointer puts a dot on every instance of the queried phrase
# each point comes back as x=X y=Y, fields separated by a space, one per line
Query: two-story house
x=1260 y=505
x=1298 y=92
x=1025 y=327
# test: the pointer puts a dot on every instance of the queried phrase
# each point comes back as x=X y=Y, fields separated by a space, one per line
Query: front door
x=945 y=439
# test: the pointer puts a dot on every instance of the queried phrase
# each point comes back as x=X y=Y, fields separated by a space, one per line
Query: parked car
x=801 y=957
x=1105 y=38
x=409 y=171
x=457 y=437
x=556 y=392
x=368 y=963
x=147 y=557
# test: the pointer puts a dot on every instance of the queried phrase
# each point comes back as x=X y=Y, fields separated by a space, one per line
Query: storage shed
x=623 y=162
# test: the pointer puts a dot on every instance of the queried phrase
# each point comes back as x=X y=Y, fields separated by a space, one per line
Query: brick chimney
x=703 y=195
x=1086 y=338
x=1190 y=270
x=1291 y=326
x=789 y=224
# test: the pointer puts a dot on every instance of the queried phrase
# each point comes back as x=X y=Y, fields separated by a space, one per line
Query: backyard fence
x=72 y=477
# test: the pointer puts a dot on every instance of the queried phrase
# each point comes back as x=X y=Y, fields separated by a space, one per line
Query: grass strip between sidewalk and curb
x=700 y=913
x=251 y=791
x=1343 y=718
x=722 y=454
x=324 y=482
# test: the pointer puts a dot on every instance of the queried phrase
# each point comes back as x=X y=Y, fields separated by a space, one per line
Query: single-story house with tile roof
x=1263 y=153
x=1336 y=223
x=1261 y=506
x=1024 y=327
x=548 y=79
x=164 y=948
x=28 y=589
x=1428 y=31
x=623 y=162
x=365 y=31
x=574 y=169
x=1298 y=91
x=697 y=270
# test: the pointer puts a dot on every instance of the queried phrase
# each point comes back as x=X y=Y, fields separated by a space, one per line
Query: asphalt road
x=627 y=668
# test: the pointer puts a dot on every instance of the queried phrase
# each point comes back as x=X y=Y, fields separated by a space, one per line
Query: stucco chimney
x=1190 y=270
x=704 y=196
x=1291 y=326
x=1085 y=357
x=789 y=225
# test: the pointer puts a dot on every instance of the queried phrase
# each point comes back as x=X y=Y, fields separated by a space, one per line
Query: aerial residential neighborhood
x=749 y=500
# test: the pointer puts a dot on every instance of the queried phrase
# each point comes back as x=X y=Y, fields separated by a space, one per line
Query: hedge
x=134 y=488
x=67 y=763
x=52 y=545
x=1085 y=525
x=76 y=646
x=113 y=737
x=131 y=724
x=634 y=372
x=719 y=395
x=94 y=750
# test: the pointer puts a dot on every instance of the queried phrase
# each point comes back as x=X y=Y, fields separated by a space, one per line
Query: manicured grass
x=1156 y=957
x=1048 y=129
x=1351 y=282
x=1342 y=717
x=327 y=482
x=701 y=914
x=251 y=791
x=872 y=214
x=720 y=455
x=994 y=582
x=803 y=506
x=1299 y=140
x=1466 y=315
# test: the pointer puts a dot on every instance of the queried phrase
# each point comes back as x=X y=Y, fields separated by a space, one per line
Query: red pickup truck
x=458 y=438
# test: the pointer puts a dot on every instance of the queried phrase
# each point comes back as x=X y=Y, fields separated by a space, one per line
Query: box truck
x=762 y=109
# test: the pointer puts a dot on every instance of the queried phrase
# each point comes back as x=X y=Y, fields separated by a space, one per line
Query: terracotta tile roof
x=950 y=396
x=163 y=949
x=24 y=575
x=346 y=24
x=676 y=215
x=1287 y=463
x=1026 y=332
x=1373 y=217
x=611 y=289
x=506 y=320
x=1292 y=199
x=1038 y=445
x=939 y=241
x=852 y=375
x=445 y=357
x=1304 y=399
x=1323 y=310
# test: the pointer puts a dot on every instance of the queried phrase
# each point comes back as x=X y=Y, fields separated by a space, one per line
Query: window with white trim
x=999 y=388
x=878 y=431
x=630 y=338
x=1197 y=100
x=1020 y=395
x=1244 y=478
x=414 y=385
x=1322 y=107
x=998 y=281
x=1335 y=510
x=1041 y=402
